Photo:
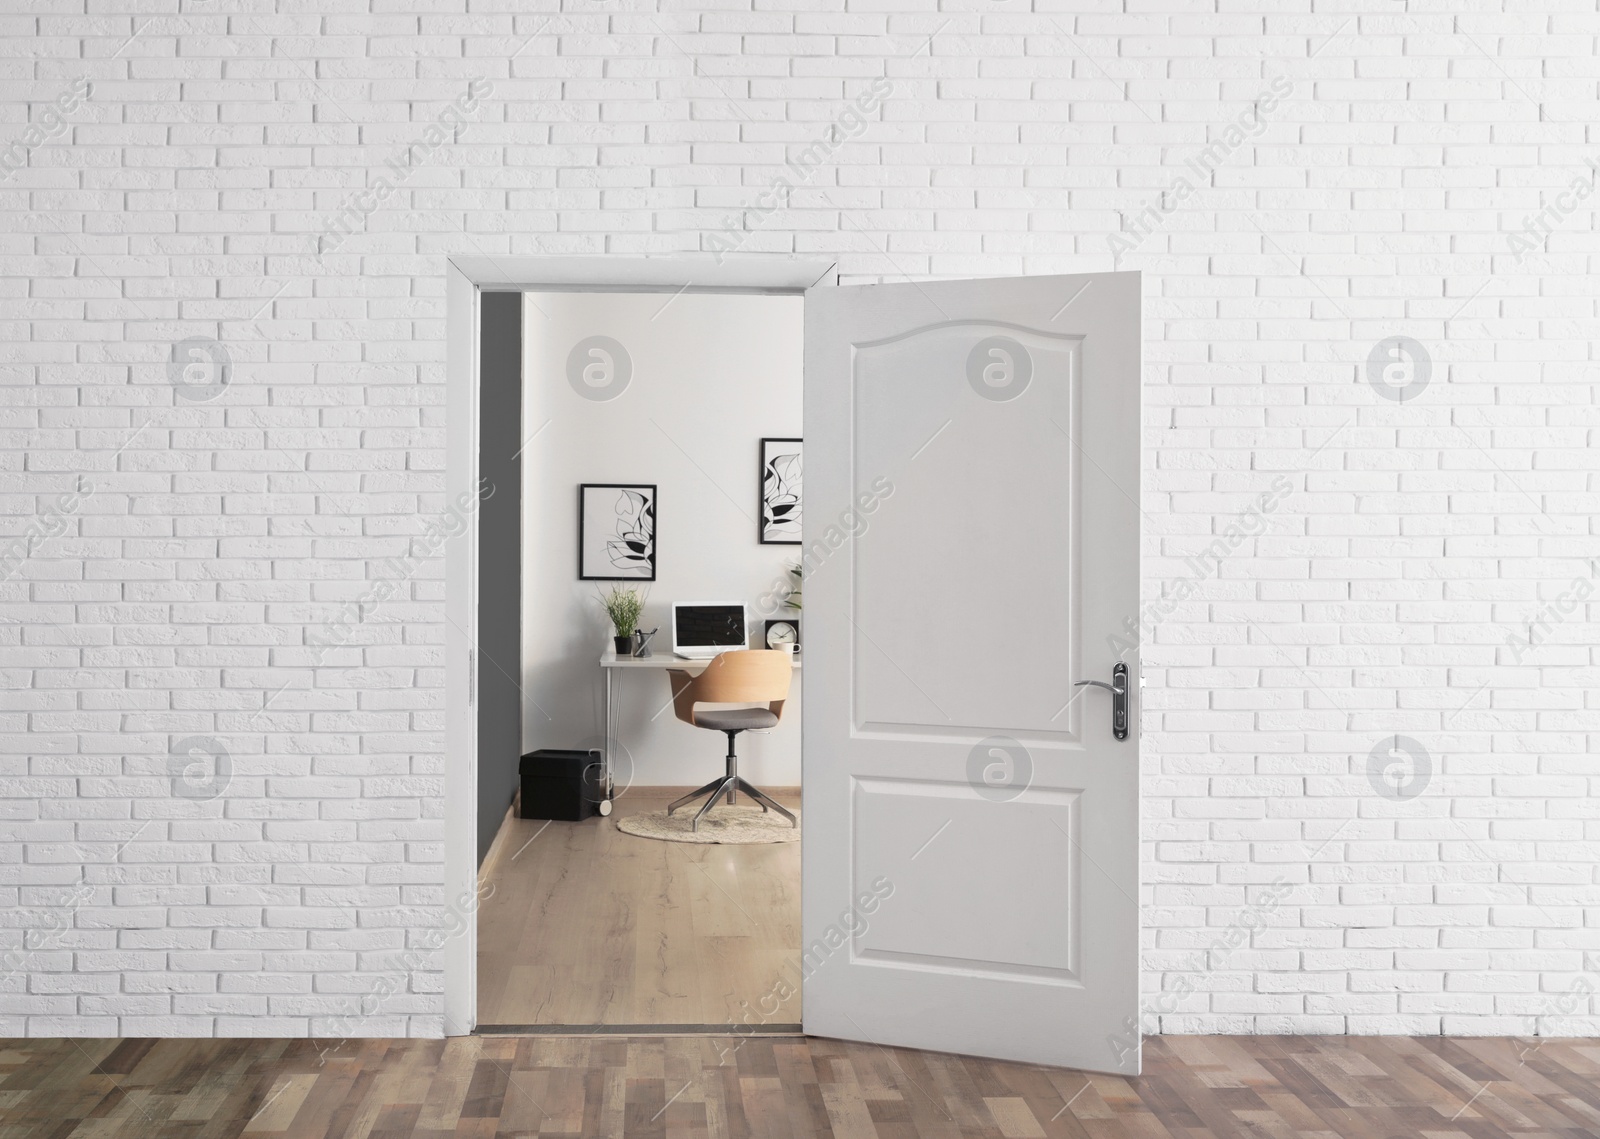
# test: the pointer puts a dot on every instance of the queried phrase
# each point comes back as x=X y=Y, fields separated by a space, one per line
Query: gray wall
x=499 y=562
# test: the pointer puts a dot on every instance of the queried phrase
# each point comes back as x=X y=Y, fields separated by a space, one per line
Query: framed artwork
x=781 y=467
x=617 y=532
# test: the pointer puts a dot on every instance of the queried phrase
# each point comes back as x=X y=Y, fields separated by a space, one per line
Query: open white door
x=972 y=556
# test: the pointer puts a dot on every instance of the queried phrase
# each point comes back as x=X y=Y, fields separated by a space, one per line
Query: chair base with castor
x=730 y=784
x=747 y=675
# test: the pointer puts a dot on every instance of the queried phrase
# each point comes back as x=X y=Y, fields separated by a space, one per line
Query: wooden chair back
x=743 y=676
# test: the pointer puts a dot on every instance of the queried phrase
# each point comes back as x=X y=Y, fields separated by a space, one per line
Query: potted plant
x=793 y=599
x=623 y=605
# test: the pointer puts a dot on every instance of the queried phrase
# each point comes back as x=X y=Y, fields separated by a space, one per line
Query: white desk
x=610 y=665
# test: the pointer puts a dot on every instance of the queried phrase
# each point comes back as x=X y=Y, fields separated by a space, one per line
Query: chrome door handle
x=1119 y=698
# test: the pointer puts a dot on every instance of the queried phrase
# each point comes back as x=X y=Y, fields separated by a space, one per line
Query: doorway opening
x=658 y=452
x=971 y=861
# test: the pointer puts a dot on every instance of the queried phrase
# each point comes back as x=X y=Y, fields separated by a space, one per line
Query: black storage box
x=560 y=784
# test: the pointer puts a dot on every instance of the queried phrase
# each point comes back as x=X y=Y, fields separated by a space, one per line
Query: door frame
x=466 y=278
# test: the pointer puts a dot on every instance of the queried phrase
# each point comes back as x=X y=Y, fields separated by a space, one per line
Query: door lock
x=1119 y=698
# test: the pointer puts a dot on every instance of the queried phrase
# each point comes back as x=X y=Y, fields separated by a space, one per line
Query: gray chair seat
x=740 y=676
x=735 y=719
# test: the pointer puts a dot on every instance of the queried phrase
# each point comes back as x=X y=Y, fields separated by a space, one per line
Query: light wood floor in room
x=1194 y=1087
x=588 y=925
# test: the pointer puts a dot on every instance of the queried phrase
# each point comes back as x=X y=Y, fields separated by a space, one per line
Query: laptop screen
x=708 y=626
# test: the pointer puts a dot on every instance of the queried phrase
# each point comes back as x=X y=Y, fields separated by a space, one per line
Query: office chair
x=744 y=676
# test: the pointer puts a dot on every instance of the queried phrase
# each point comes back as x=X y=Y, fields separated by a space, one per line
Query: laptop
x=702 y=629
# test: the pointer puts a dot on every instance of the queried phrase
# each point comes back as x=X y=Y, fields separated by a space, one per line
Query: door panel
x=971 y=552
x=969 y=467
x=917 y=930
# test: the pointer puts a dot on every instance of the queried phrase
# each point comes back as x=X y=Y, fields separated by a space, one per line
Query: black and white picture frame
x=617 y=532
x=782 y=465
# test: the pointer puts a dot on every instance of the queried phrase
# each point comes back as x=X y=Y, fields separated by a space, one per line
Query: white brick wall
x=189 y=574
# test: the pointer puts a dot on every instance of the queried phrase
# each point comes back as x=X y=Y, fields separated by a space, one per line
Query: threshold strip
x=638 y=1030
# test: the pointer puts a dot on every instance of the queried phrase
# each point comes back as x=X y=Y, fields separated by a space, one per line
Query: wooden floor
x=588 y=925
x=1193 y=1087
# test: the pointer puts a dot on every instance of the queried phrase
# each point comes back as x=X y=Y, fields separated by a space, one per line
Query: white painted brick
x=1380 y=599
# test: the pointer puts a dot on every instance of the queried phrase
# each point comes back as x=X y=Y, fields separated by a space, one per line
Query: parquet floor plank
x=588 y=925
x=788 y=1088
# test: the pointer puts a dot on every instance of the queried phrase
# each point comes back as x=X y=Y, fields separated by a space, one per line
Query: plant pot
x=624 y=645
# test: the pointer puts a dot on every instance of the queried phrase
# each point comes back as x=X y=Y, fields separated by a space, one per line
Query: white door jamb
x=466 y=278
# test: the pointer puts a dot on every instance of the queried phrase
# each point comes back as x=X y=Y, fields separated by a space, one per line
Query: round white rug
x=739 y=825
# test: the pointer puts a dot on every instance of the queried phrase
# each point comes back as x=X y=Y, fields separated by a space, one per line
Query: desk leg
x=605 y=746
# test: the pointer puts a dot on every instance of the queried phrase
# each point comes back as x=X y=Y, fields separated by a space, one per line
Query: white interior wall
x=711 y=374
